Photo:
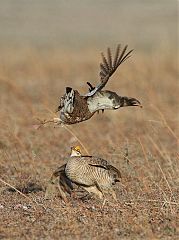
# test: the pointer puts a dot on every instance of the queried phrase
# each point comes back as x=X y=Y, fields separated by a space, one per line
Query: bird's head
x=75 y=151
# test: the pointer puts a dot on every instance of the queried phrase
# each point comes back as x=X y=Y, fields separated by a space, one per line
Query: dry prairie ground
x=148 y=197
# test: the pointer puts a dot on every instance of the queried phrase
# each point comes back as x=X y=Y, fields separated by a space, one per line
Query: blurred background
x=89 y=23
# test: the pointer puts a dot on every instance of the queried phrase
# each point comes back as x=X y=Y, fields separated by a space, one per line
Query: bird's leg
x=87 y=196
x=73 y=194
x=62 y=194
x=112 y=192
x=95 y=191
x=102 y=191
x=104 y=202
x=56 y=121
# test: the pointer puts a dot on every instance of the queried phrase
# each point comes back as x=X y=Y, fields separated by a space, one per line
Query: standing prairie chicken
x=94 y=174
x=75 y=108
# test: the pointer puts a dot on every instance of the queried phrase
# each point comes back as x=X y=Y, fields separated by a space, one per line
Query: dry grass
x=148 y=198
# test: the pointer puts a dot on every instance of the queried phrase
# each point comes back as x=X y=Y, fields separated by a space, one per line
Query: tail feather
x=59 y=180
x=114 y=172
x=128 y=101
x=64 y=181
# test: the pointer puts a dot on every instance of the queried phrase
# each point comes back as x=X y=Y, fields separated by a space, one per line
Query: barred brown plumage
x=75 y=107
x=94 y=174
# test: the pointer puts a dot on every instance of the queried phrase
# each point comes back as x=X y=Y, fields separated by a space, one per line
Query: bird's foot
x=57 y=121
x=43 y=122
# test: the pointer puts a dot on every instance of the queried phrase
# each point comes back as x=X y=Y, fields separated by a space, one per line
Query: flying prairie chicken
x=75 y=108
x=94 y=174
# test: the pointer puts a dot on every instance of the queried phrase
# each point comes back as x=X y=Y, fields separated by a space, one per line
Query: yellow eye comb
x=77 y=148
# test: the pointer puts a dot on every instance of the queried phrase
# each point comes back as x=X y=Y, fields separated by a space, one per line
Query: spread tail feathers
x=114 y=172
x=128 y=101
x=59 y=180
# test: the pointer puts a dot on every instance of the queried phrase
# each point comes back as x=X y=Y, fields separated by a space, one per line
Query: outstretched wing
x=109 y=66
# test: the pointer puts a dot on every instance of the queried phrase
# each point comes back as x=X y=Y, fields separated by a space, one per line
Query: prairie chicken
x=75 y=108
x=94 y=174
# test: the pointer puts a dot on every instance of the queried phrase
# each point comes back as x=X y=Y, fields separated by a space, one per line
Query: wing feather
x=105 y=62
x=104 y=70
x=109 y=58
x=109 y=66
x=116 y=55
x=96 y=161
